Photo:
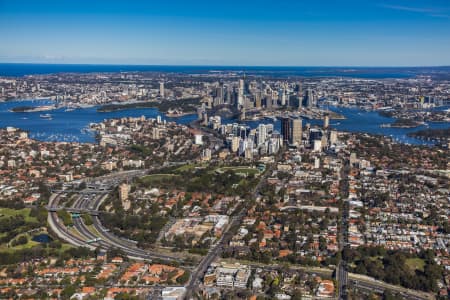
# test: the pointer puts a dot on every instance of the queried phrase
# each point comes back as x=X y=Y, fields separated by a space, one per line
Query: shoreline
x=42 y=131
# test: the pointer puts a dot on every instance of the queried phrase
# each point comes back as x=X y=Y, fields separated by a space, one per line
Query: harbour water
x=71 y=126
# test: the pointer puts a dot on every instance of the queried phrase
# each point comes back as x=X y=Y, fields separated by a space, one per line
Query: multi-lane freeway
x=96 y=235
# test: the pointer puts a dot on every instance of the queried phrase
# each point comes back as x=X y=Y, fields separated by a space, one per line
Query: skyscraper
x=296 y=125
x=161 y=89
x=200 y=111
x=326 y=121
x=269 y=101
x=300 y=95
x=333 y=137
x=262 y=133
x=285 y=129
x=228 y=94
x=241 y=92
x=220 y=94
x=258 y=99
x=310 y=98
x=282 y=96
x=275 y=98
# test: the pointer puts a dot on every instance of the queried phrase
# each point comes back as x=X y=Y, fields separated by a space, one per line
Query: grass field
x=25 y=212
x=185 y=168
x=9 y=212
x=154 y=178
x=415 y=264
x=189 y=167
x=240 y=170
x=28 y=245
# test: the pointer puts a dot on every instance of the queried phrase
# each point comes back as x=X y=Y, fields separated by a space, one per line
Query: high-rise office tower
x=326 y=121
x=241 y=92
x=275 y=98
x=220 y=94
x=228 y=93
x=235 y=143
x=310 y=102
x=161 y=89
x=285 y=129
x=269 y=101
x=200 y=111
x=280 y=96
x=234 y=96
x=283 y=97
x=262 y=133
x=300 y=95
x=308 y=131
x=296 y=129
x=324 y=141
x=258 y=99
x=333 y=137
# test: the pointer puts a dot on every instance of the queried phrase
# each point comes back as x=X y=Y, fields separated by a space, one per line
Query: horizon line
x=226 y=65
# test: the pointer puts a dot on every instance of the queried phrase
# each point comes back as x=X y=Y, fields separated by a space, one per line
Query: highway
x=107 y=239
x=369 y=284
x=60 y=230
x=90 y=199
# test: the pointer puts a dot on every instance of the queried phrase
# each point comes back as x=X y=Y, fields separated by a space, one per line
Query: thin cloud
x=431 y=12
x=440 y=16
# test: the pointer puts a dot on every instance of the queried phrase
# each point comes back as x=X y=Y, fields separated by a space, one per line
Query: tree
x=322 y=243
x=22 y=240
x=183 y=278
x=387 y=295
x=68 y=291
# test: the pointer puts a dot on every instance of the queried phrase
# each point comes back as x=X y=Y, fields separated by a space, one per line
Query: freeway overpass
x=99 y=236
x=92 y=212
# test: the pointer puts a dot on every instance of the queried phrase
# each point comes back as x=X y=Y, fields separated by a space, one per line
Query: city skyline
x=126 y=175
x=348 y=33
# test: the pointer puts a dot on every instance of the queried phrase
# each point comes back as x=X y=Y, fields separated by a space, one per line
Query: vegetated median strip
x=93 y=230
x=75 y=232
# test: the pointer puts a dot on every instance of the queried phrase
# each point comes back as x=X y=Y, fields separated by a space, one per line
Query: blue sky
x=280 y=33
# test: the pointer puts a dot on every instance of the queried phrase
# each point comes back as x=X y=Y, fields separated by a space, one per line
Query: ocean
x=21 y=69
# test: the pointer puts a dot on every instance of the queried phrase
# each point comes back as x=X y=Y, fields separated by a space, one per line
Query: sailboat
x=46 y=116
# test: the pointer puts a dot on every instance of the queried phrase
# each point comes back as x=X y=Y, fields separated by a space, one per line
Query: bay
x=71 y=126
